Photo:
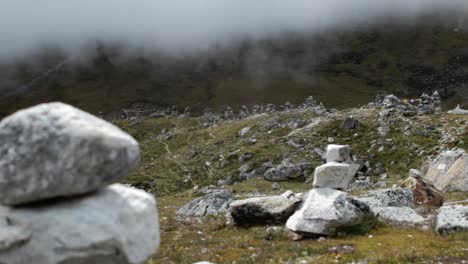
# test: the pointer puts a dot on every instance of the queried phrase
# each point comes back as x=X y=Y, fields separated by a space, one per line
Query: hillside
x=181 y=158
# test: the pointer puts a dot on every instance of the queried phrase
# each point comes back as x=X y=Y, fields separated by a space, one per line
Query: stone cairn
x=326 y=208
x=58 y=199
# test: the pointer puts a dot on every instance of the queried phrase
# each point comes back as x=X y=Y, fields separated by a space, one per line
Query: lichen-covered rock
x=54 y=149
x=452 y=218
x=264 y=210
x=116 y=225
x=399 y=216
x=395 y=197
x=449 y=171
x=214 y=203
x=335 y=175
x=326 y=210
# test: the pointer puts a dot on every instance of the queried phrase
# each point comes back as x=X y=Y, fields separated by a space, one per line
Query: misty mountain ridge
x=342 y=68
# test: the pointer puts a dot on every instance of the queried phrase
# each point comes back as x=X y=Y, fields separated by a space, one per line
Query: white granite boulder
x=335 y=175
x=116 y=225
x=52 y=150
x=326 y=210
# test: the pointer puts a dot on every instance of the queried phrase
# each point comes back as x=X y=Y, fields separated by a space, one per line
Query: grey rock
x=360 y=185
x=399 y=216
x=214 y=203
x=350 y=123
x=298 y=123
x=244 y=131
x=263 y=210
x=452 y=218
x=326 y=210
x=245 y=157
x=395 y=197
x=275 y=186
x=383 y=129
x=286 y=170
x=54 y=149
x=116 y=225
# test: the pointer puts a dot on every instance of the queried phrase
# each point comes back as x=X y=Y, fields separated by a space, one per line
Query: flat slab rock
x=399 y=216
x=117 y=225
x=326 y=210
x=394 y=197
x=54 y=149
x=449 y=171
x=452 y=218
x=264 y=210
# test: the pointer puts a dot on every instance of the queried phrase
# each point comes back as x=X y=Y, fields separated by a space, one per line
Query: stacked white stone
x=339 y=171
x=60 y=203
x=327 y=209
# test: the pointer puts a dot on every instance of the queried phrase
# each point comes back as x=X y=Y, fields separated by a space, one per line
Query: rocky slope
x=258 y=153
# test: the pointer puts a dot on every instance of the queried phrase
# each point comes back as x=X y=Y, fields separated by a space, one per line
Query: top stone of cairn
x=339 y=153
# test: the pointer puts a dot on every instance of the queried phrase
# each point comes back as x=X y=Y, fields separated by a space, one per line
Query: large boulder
x=335 y=175
x=452 y=218
x=449 y=171
x=424 y=192
x=264 y=210
x=214 y=203
x=116 y=225
x=326 y=210
x=54 y=149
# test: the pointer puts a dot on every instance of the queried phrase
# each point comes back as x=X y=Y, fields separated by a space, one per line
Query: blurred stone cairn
x=326 y=209
x=59 y=202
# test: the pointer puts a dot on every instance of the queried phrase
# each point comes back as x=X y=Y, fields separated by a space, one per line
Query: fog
x=176 y=26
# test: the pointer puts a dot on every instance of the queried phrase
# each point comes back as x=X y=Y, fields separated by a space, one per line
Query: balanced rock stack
x=339 y=171
x=58 y=166
x=326 y=209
